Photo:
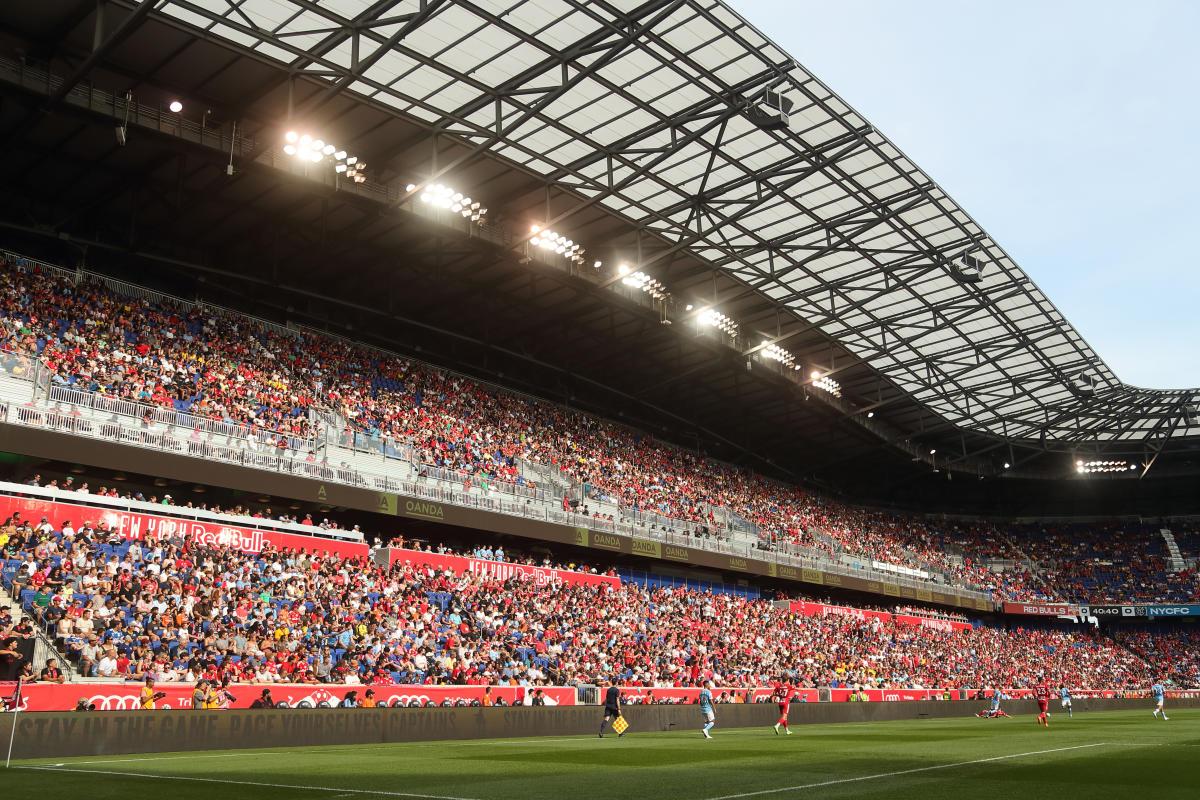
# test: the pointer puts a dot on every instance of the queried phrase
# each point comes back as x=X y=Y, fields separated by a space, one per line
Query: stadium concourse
x=176 y=356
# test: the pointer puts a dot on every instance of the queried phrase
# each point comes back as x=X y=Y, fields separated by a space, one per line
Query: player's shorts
x=609 y=711
x=708 y=716
x=1158 y=702
x=1066 y=703
x=1043 y=705
x=783 y=708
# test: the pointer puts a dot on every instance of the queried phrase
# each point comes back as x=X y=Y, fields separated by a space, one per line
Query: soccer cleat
x=602 y=736
x=706 y=734
x=787 y=731
x=1165 y=718
x=776 y=728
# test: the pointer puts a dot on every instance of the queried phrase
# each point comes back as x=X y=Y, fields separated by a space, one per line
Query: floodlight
x=176 y=106
x=290 y=149
x=290 y=137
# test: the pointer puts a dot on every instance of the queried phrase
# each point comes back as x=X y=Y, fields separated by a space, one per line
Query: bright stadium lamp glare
x=1007 y=465
x=412 y=187
x=175 y=106
x=306 y=140
x=290 y=149
x=870 y=414
x=623 y=269
x=815 y=374
x=291 y=137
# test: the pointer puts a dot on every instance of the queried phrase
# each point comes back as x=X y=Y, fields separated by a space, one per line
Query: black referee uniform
x=612 y=707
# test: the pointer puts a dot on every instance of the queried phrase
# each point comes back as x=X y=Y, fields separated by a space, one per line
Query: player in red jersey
x=783 y=698
x=1042 y=693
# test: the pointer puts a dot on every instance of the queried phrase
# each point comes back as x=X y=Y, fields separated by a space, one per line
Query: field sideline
x=1103 y=754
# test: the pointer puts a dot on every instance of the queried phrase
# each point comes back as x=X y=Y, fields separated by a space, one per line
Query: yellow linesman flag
x=620 y=725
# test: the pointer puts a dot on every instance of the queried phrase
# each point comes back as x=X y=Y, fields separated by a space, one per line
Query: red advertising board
x=808 y=609
x=149 y=526
x=124 y=696
x=1043 y=609
x=502 y=570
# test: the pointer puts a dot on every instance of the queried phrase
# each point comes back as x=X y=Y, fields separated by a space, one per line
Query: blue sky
x=1067 y=129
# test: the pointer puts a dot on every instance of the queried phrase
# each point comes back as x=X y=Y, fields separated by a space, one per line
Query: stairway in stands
x=1174 y=557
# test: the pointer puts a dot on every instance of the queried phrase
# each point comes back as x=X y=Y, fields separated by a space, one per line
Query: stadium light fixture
x=640 y=280
x=306 y=147
x=826 y=384
x=777 y=353
x=556 y=243
x=1090 y=467
x=870 y=414
x=1007 y=465
x=445 y=197
x=715 y=319
x=175 y=106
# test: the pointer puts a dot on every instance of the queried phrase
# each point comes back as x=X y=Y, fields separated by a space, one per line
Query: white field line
x=901 y=772
x=340 y=790
x=152 y=758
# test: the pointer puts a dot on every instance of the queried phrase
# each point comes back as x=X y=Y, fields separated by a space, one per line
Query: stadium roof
x=649 y=109
x=671 y=135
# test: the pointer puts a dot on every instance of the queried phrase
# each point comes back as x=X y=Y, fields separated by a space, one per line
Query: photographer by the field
x=148 y=696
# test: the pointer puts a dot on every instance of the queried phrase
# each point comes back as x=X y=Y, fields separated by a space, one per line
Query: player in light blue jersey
x=1159 y=693
x=1064 y=694
x=706 y=709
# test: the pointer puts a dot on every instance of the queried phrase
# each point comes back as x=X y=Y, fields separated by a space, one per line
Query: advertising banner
x=809 y=609
x=501 y=570
x=145 y=526
x=124 y=696
x=1173 y=611
x=1043 y=609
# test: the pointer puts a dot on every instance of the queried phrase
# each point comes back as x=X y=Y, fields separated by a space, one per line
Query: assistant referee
x=612 y=705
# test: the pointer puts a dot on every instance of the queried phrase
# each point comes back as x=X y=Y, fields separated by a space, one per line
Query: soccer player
x=995 y=710
x=783 y=698
x=706 y=709
x=1065 y=695
x=612 y=706
x=1159 y=693
x=1042 y=693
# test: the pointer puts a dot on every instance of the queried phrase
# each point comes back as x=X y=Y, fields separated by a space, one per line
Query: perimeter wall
x=63 y=734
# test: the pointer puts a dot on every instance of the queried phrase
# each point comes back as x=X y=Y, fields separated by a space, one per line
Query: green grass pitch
x=1098 y=755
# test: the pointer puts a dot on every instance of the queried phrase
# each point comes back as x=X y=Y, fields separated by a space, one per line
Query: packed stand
x=1176 y=654
x=179 y=612
x=242 y=373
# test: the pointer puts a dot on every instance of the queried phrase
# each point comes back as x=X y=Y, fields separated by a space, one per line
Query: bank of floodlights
x=1088 y=467
x=440 y=196
x=715 y=319
x=826 y=384
x=307 y=148
x=552 y=242
x=777 y=353
x=642 y=281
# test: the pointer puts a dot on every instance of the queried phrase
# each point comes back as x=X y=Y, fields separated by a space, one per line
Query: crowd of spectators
x=240 y=372
x=1176 y=653
x=178 y=611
